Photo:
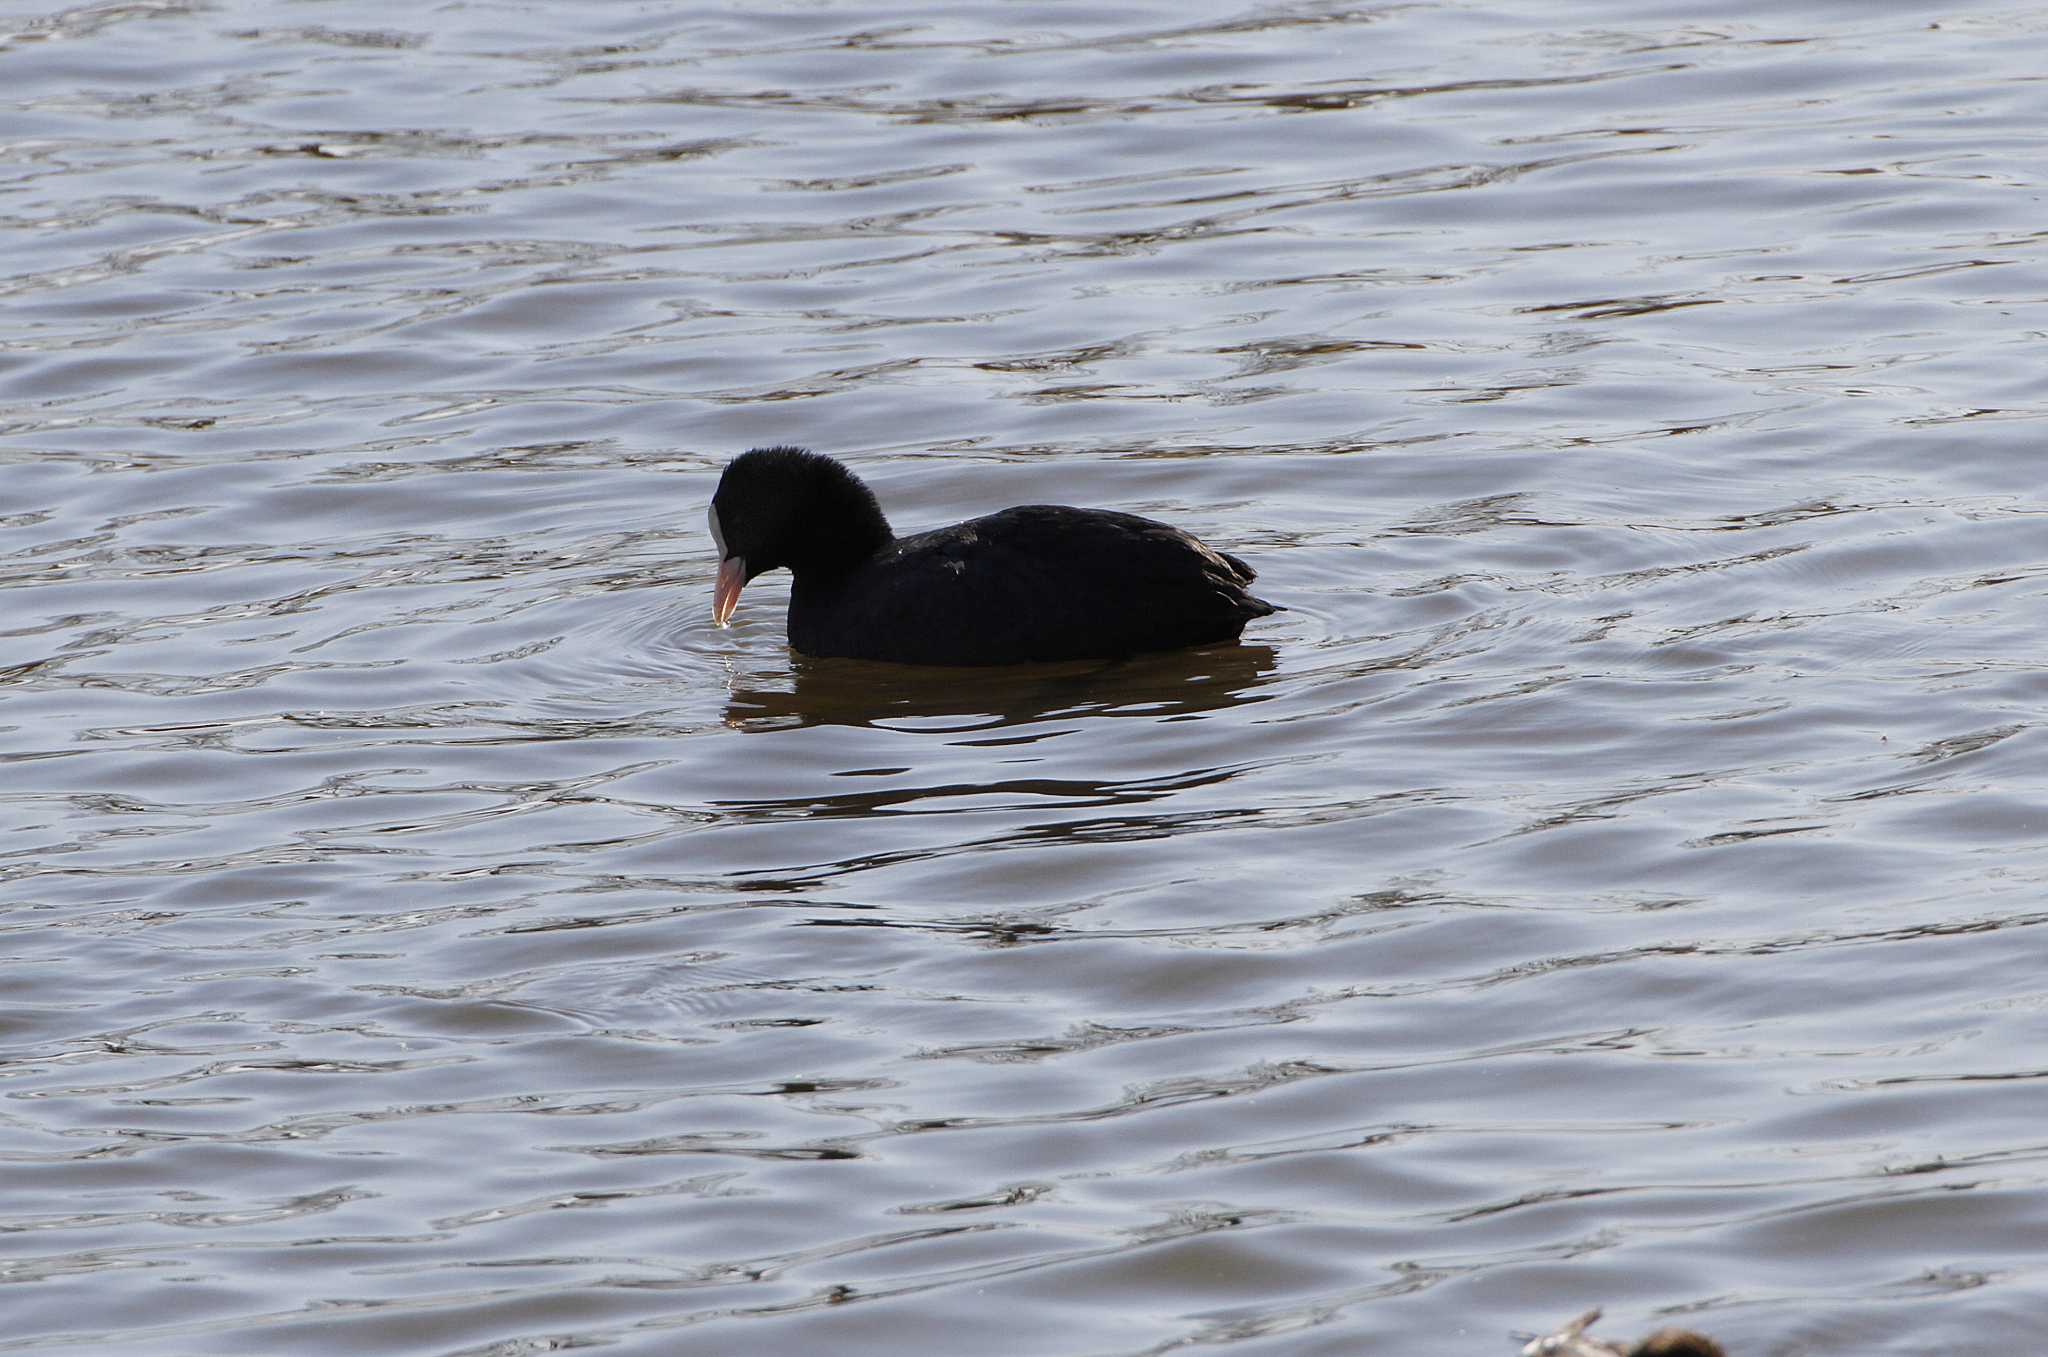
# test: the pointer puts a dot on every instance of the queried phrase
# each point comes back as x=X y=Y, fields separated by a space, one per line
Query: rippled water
x=1612 y=881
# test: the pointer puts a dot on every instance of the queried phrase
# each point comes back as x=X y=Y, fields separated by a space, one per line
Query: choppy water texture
x=1613 y=881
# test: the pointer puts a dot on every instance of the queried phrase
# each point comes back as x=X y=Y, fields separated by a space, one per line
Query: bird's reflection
x=1180 y=683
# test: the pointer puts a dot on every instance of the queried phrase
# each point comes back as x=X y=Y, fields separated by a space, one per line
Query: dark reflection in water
x=1174 y=685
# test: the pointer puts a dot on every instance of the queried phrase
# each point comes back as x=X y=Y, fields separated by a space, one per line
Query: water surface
x=1611 y=882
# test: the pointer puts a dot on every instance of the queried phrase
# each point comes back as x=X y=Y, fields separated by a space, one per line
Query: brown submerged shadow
x=1170 y=685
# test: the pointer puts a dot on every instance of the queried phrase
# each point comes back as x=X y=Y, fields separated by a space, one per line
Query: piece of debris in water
x=1572 y=1340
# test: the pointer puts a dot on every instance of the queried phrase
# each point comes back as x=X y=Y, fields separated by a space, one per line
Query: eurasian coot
x=1038 y=582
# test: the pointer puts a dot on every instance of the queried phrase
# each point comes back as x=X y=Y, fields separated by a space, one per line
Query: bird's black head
x=777 y=507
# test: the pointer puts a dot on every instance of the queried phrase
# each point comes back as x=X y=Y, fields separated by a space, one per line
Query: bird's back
x=1037 y=582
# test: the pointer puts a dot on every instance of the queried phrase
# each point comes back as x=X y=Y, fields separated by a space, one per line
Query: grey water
x=1613 y=881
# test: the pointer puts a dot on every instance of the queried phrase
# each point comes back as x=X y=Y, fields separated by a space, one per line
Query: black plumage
x=1038 y=582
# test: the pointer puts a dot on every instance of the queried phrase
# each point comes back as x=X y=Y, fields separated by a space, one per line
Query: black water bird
x=1038 y=582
